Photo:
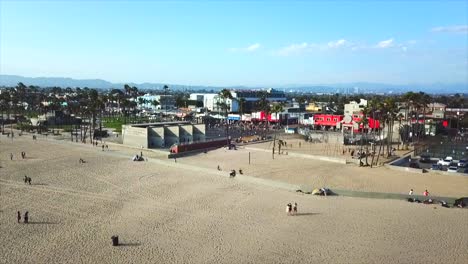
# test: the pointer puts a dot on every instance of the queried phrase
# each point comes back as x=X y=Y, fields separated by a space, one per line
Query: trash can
x=115 y=241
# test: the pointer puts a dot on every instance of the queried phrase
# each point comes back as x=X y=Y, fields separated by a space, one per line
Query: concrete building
x=162 y=134
x=436 y=110
x=165 y=102
x=354 y=107
x=211 y=100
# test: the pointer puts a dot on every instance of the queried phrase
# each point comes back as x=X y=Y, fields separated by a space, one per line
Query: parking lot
x=431 y=163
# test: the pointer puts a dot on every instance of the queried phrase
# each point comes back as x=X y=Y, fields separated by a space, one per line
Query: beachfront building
x=211 y=101
x=162 y=134
x=164 y=102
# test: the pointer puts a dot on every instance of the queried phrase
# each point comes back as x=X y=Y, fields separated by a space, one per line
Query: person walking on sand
x=411 y=192
x=11 y=156
x=19 y=217
x=288 y=209
x=26 y=217
x=25 y=179
x=102 y=147
x=29 y=180
x=295 y=208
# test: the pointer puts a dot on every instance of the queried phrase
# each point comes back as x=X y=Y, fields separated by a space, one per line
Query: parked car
x=436 y=167
x=425 y=159
x=445 y=162
x=414 y=165
x=452 y=169
x=462 y=163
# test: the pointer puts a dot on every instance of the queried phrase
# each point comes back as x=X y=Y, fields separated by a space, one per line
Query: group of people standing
x=291 y=209
x=26 y=217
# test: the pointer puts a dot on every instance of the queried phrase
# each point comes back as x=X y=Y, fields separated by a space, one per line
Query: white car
x=444 y=162
x=452 y=169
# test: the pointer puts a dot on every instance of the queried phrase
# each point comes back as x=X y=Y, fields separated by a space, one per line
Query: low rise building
x=162 y=134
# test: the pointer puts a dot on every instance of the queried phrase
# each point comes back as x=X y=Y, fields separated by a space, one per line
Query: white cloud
x=451 y=29
x=337 y=44
x=294 y=49
x=385 y=44
x=250 y=48
x=253 y=47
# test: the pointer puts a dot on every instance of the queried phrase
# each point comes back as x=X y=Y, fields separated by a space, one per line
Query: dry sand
x=188 y=212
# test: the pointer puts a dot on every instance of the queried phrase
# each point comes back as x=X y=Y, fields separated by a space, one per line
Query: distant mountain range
x=346 y=88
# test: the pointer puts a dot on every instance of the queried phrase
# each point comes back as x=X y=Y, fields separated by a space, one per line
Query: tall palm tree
x=363 y=122
x=225 y=94
x=275 y=109
x=264 y=105
x=241 y=112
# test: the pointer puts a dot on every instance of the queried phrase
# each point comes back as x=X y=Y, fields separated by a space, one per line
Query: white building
x=165 y=102
x=354 y=107
x=211 y=102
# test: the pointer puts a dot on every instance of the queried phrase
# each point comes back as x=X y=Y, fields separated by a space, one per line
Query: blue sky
x=256 y=43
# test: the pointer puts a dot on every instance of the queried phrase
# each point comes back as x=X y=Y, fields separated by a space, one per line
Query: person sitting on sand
x=426 y=193
x=241 y=172
x=219 y=168
x=411 y=192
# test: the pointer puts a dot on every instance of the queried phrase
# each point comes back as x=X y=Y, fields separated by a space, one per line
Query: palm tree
x=392 y=111
x=166 y=91
x=241 y=112
x=155 y=103
x=364 y=122
x=264 y=105
x=225 y=94
x=277 y=108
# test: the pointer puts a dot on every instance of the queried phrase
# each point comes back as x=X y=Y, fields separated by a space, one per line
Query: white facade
x=165 y=102
x=211 y=100
x=354 y=107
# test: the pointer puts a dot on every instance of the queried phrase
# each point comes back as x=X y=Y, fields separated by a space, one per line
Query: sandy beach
x=189 y=212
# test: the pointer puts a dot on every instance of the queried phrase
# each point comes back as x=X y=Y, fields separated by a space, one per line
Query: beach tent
x=463 y=200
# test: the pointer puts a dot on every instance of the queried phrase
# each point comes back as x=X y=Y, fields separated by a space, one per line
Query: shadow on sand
x=129 y=244
x=305 y=214
x=39 y=184
x=42 y=223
